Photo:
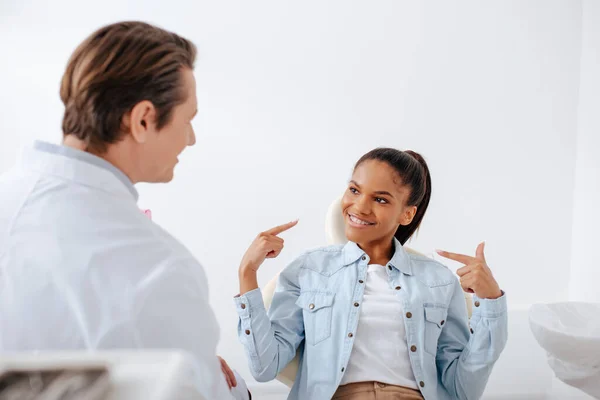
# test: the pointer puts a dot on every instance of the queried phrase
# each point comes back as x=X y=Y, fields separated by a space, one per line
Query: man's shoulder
x=161 y=237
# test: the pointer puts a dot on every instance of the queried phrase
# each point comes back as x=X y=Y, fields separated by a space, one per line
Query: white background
x=500 y=97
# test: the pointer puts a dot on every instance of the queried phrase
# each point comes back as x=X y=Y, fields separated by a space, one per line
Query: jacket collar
x=401 y=261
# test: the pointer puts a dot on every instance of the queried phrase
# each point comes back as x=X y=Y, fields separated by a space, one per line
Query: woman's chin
x=355 y=235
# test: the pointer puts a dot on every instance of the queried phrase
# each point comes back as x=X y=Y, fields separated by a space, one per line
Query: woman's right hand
x=266 y=245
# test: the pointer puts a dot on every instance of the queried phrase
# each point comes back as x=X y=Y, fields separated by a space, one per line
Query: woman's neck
x=379 y=252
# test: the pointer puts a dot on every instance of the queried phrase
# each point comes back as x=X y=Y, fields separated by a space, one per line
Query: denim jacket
x=313 y=311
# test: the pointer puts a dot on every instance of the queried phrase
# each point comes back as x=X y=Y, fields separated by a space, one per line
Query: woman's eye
x=353 y=190
x=380 y=200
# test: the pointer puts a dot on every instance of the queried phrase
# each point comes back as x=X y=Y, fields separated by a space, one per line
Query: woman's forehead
x=378 y=175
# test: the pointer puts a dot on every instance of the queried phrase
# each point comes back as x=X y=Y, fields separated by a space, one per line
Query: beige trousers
x=375 y=391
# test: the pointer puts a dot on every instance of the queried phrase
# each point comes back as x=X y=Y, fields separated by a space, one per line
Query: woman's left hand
x=475 y=277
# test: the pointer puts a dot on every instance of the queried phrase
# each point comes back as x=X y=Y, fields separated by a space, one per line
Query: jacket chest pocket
x=435 y=318
x=317 y=310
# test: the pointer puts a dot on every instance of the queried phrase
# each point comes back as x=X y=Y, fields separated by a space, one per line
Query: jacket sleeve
x=271 y=340
x=466 y=356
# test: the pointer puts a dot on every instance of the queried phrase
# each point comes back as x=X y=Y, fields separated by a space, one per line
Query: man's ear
x=140 y=120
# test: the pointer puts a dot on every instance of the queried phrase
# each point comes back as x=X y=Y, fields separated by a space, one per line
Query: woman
x=370 y=320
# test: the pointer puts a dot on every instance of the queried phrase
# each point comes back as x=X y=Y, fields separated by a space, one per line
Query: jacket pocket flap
x=313 y=301
x=437 y=315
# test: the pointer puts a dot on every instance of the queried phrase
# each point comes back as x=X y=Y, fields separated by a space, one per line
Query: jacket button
x=477 y=304
x=408 y=315
x=363 y=258
x=350 y=335
x=247 y=331
x=472 y=331
x=398 y=288
x=243 y=306
x=442 y=323
x=361 y=281
x=311 y=306
x=413 y=348
x=356 y=304
x=390 y=267
x=343 y=369
x=422 y=384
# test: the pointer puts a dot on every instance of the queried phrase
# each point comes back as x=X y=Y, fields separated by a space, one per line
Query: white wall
x=292 y=93
x=585 y=264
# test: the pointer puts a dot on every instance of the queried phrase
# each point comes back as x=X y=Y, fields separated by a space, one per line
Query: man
x=81 y=267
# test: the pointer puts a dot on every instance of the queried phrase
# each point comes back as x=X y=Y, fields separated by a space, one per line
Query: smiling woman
x=371 y=319
x=388 y=195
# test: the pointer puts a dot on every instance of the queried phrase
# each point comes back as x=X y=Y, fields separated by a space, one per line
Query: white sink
x=570 y=334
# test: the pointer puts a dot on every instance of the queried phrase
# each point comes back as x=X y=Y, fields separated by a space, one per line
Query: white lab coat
x=81 y=267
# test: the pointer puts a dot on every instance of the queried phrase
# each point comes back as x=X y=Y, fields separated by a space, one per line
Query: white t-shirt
x=380 y=352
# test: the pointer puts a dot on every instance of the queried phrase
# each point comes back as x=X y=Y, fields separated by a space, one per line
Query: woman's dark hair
x=414 y=173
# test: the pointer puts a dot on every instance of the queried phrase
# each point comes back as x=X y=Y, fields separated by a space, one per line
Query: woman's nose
x=362 y=205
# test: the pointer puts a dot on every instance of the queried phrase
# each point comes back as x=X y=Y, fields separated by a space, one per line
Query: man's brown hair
x=115 y=68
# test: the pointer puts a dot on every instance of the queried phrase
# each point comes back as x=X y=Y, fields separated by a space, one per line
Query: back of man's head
x=115 y=68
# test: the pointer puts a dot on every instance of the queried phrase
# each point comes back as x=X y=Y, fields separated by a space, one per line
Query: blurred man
x=80 y=266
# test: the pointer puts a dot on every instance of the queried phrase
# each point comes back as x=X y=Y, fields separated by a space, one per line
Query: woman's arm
x=464 y=359
x=465 y=356
x=270 y=340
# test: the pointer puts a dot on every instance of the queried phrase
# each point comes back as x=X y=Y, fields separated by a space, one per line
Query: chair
x=335 y=233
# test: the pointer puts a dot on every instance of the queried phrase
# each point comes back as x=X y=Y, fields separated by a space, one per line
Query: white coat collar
x=78 y=166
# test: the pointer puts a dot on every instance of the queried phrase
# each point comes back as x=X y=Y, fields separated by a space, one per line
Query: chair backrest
x=335 y=234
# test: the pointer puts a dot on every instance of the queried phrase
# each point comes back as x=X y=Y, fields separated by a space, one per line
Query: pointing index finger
x=456 y=257
x=281 y=228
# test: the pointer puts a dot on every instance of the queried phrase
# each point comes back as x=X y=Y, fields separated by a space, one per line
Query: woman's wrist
x=248 y=279
x=247 y=271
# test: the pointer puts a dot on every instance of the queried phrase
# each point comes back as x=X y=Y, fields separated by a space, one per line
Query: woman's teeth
x=359 y=221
